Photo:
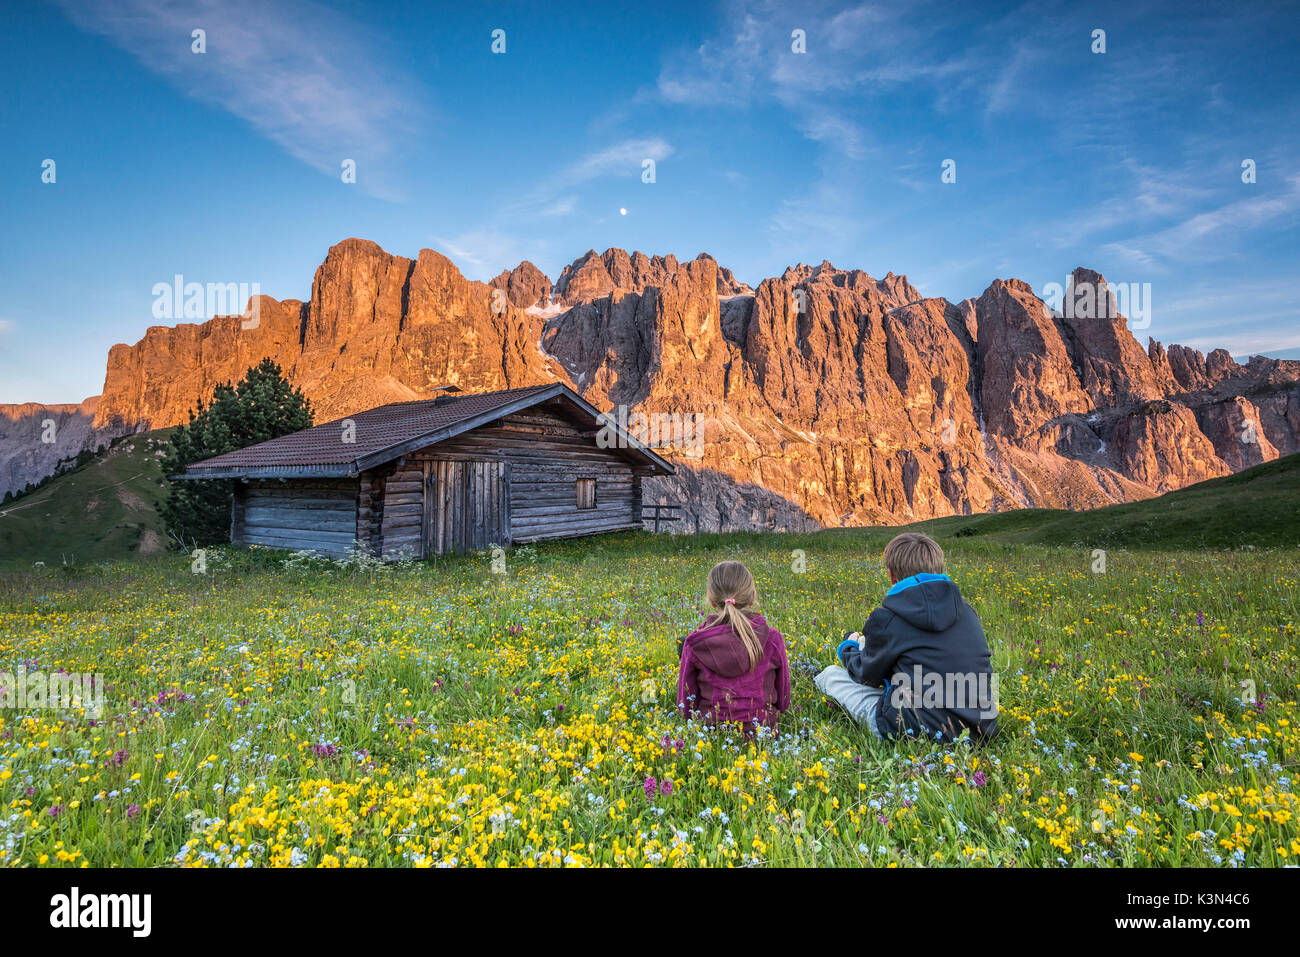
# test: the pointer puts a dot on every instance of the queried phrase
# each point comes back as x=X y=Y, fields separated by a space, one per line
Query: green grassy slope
x=105 y=510
x=1259 y=507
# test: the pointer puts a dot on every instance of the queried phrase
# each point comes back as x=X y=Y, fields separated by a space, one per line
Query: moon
x=623 y=211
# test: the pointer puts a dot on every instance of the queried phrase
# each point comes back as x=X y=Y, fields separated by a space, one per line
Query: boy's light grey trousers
x=858 y=700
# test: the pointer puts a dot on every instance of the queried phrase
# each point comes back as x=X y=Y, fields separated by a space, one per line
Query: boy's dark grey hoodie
x=928 y=644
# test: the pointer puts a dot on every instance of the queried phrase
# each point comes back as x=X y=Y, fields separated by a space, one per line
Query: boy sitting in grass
x=921 y=665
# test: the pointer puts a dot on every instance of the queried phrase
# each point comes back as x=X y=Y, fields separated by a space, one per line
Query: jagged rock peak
x=525 y=285
x=728 y=284
x=596 y=275
x=894 y=289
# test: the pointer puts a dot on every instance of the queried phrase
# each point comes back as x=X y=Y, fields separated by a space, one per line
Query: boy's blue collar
x=916 y=580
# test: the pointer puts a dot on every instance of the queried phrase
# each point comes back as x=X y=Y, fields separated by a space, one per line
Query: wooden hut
x=430 y=477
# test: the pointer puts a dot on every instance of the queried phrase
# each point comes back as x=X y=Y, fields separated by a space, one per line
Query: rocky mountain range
x=39 y=440
x=822 y=397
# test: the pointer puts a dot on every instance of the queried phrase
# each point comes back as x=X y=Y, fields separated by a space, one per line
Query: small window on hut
x=586 y=493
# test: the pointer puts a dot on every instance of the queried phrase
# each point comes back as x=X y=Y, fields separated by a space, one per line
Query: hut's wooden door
x=466 y=505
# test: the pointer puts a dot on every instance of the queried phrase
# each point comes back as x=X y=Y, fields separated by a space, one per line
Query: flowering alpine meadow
x=288 y=711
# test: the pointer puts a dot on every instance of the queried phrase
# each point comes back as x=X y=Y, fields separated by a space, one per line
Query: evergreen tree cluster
x=262 y=406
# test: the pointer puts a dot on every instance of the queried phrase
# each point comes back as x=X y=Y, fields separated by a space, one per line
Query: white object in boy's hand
x=857 y=636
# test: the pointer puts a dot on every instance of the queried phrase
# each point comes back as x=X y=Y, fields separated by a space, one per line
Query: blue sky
x=225 y=166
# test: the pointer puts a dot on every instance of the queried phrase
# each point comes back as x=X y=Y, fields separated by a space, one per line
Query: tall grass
x=271 y=712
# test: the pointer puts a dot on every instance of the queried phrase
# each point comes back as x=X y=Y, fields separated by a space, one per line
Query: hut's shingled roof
x=321 y=450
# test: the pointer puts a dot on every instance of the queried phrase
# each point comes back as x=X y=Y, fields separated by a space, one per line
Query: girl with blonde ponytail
x=734 y=667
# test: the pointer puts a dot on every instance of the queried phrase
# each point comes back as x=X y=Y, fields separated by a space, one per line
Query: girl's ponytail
x=731 y=590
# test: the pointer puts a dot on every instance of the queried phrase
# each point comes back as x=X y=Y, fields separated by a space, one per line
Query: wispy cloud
x=859 y=52
x=853 y=57
x=1010 y=78
x=836 y=131
x=820 y=219
x=622 y=158
x=725 y=69
x=303 y=76
x=1247 y=213
x=1245 y=341
x=1194 y=233
x=554 y=195
x=1194 y=210
x=482 y=253
x=561 y=207
x=511 y=232
x=1244 y=314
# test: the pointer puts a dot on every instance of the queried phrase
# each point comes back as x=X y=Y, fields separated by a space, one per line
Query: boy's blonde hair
x=913 y=554
x=731 y=590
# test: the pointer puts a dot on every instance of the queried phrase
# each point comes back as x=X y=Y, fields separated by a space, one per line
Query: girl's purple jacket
x=716 y=681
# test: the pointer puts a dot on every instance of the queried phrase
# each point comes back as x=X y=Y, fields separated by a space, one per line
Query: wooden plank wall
x=237 y=504
x=316 y=514
x=370 y=510
x=547 y=454
x=403 y=511
x=468 y=505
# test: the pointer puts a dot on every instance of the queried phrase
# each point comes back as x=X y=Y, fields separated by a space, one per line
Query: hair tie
x=730 y=601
